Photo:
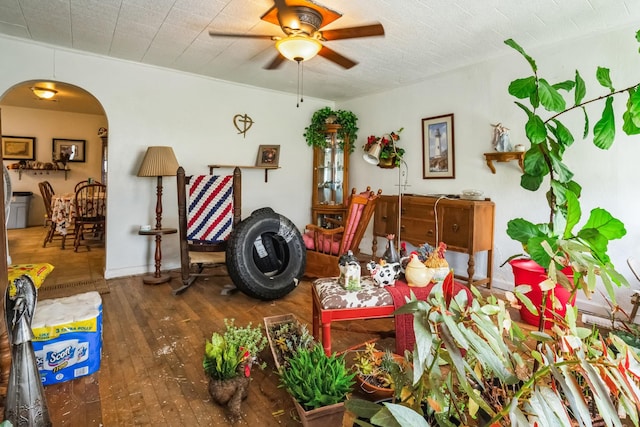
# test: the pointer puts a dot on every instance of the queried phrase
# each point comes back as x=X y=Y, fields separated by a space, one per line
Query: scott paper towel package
x=68 y=337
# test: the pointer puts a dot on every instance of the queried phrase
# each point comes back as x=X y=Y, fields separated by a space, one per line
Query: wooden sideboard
x=465 y=226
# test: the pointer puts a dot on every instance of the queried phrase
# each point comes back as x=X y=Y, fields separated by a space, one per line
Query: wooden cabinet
x=330 y=179
x=466 y=226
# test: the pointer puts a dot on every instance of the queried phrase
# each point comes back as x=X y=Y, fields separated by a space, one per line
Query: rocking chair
x=209 y=207
x=325 y=246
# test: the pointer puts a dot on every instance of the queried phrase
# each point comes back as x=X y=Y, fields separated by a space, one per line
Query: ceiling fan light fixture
x=298 y=48
x=43 y=92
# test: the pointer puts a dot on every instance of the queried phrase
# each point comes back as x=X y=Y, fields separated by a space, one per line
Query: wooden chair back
x=90 y=215
x=85 y=182
x=202 y=196
x=46 y=190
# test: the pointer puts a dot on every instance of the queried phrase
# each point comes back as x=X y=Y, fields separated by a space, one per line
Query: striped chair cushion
x=210 y=208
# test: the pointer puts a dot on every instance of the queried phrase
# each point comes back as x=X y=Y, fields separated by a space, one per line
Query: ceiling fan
x=301 y=21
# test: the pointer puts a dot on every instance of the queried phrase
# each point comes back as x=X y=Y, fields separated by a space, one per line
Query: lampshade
x=298 y=48
x=159 y=161
x=373 y=155
x=43 y=92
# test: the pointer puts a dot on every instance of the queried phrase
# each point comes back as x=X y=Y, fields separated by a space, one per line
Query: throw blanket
x=210 y=208
x=405 y=338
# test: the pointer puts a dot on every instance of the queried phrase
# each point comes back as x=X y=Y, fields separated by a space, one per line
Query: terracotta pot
x=526 y=271
x=331 y=415
x=373 y=392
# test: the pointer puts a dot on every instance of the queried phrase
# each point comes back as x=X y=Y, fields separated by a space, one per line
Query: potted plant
x=390 y=153
x=318 y=384
x=228 y=358
x=314 y=134
x=377 y=371
x=555 y=244
x=286 y=336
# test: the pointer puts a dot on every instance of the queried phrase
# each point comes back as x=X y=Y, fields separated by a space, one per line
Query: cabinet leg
x=471 y=268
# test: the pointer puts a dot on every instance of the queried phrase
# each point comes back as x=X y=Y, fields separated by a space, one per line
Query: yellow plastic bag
x=37 y=273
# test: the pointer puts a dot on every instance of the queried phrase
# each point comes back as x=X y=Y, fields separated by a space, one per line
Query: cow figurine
x=384 y=274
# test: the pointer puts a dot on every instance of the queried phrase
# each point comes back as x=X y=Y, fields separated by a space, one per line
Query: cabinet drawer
x=418 y=231
x=412 y=209
x=456 y=230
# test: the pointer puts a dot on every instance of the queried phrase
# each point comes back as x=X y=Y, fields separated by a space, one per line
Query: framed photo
x=268 y=155
x=438 y=160
x=18 y=148
x=73 y=148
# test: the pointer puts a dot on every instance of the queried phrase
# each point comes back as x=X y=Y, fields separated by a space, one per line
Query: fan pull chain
x=300 y=82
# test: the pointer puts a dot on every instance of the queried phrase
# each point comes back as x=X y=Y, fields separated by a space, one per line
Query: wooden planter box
x=269 y=324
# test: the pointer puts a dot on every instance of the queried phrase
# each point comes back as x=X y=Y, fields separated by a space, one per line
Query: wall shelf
x=266 y=169
x=40 y=172
x=506 y=156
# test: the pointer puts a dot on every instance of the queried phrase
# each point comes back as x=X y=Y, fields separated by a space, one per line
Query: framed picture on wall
x=18 y=148
x=268 y=155
x=72 y=149
x=438 y=159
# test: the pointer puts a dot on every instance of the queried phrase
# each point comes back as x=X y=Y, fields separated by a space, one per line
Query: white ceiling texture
x=422 y=37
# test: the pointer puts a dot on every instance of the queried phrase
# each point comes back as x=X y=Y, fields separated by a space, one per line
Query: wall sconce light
x=43 y=92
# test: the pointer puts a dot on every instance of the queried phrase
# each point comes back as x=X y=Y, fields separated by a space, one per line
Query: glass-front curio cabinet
x=330 y=179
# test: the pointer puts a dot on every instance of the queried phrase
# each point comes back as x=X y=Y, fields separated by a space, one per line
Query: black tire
x=247 y=244
x=262 y=211
x=267 y=264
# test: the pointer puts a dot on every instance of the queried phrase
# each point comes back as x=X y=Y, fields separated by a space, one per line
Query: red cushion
x=327 y=245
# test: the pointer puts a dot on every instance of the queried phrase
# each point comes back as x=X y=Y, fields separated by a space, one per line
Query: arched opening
x=41 y=121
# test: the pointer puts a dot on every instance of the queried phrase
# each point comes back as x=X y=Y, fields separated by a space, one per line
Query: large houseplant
x=314 y=134
x=555 y=243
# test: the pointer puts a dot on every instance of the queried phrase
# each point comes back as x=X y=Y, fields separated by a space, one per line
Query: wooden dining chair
x=85 y=182
x=91 y=215
x=46 y=190
x=209 y=207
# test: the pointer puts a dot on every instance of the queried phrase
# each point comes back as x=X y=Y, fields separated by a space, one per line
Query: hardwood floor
x=153 y=343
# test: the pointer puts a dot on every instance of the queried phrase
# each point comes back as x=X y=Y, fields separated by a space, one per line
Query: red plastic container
x=528 y=272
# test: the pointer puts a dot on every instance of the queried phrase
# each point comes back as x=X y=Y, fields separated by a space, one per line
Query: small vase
x=230 y=392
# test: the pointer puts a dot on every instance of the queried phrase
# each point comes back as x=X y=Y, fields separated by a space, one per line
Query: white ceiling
x=423 y=37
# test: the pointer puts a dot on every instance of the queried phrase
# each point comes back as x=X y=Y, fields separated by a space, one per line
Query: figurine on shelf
x=501 y=140
x=438 y=264
x=384 y=274
x=349 y=272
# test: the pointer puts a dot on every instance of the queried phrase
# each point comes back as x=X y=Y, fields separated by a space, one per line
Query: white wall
x=44 y=126
x=152 y=106
x=477 y=96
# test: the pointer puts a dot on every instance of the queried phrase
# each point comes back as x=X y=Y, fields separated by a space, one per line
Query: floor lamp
x=158 y=161
x=373 y=157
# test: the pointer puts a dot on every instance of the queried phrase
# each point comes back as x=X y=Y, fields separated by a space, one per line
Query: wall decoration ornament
x=243 y=123
x=437 y=147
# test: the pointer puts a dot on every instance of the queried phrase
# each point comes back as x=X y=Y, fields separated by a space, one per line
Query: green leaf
x=610 y=227
x=565 y=85
x=535 y=129
x=633 y=109
x=562 y=134
x=531 y=182
x=581 y=89
x=574 y=212
x=521 y=230
x=605 y=131
x=523 y=88
x=511 y=43
x=602 y=74
x=535 y=163
x=563 y=174
x=550 y=98
x=586 y=123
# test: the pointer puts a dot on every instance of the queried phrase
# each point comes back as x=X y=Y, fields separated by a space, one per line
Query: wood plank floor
x=153 y=342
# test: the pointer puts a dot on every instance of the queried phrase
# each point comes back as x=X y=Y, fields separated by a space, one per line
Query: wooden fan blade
x=352 y=32
x=275 y=63
x=246 y=36
x=334 y=56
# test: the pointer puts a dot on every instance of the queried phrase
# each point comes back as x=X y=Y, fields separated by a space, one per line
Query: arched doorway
x=72 y=116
